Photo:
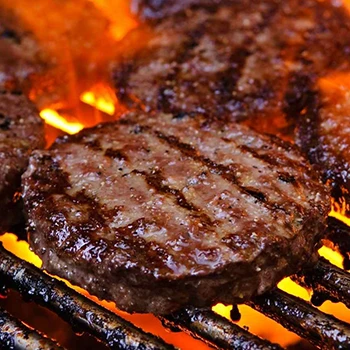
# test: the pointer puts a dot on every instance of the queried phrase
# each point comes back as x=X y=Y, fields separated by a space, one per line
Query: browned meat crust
x=153 y=9
x=20 y=56
x=21 y=131
x=243 y=60
x=158 y=212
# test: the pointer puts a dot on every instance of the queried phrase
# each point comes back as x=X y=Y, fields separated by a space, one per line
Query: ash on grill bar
x=64 y=57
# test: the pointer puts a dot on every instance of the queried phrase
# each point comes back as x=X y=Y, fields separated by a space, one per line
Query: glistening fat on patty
x=156 y=212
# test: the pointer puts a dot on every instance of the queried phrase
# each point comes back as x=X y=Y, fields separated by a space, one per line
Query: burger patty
x=156 y=212
x=239 y=60
x=21 y=131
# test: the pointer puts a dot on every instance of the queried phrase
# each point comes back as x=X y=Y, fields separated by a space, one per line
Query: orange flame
x=101 y=97
x=52 y=118
x=118 y=12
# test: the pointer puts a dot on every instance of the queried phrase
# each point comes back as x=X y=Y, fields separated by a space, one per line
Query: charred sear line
x=269 y=160
x=96 y=218
x=229 y=78
x=225 y=172
x=94 y=145
x=156 y=181
x=309 y=127
x=256 y=194
x=286 y=178
x=166 y=92
x=5 y=122
x=149 y=255
x=115 y=154
x=265 y=158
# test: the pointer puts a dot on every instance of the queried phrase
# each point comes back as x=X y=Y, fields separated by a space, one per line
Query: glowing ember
x=52 y=118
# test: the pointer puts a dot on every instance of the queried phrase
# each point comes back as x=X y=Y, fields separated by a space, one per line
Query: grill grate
x=79 y=311
x=320 y=329
x=302 y=318
x=15 y=335
x=215 y=330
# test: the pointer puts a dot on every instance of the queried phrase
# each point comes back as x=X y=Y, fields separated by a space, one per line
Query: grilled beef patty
x=21 y=131
x=252 y=61
x=158 y=212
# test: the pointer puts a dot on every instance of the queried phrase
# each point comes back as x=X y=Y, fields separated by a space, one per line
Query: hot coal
x=155 y=212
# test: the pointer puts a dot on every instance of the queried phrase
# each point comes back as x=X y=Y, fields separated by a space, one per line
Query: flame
x=118 y=12
x=101 y=97
x=20 y=249
x=52 y=118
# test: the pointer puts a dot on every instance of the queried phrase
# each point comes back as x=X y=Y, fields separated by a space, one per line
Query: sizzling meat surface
x=163 y=211
x=21 y=130
x=242 y=60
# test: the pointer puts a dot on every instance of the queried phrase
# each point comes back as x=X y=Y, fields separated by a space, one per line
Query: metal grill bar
x=327 y=279
x=300 y=317
x=216 y=330
x=79 y=311
x=339 y=234
x=15 y=335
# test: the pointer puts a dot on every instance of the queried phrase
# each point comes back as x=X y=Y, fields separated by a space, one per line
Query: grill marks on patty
x=193 y=51
x=249 y=61
x=162 y=202
x=170 y=146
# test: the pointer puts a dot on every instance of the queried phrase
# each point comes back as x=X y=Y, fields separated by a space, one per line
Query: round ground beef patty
x=21 y=131
x=251 y=61
x=159 y=212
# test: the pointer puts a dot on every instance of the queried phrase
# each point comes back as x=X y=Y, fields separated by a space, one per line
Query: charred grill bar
x=293 y=313
x=15 y=335
x=215 y=330
x=302 y=318
x=327 y=280
x=339 y=235
x=84 y=314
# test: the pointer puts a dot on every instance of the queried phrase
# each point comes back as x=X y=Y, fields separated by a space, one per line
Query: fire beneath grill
x=75 y=93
